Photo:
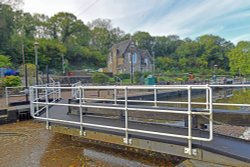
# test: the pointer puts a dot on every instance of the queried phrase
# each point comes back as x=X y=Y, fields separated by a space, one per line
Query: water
x=236 y=96
x=28 y=143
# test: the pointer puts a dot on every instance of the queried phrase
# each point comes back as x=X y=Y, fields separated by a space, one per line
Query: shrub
x=123 y=76
x=31 y=70
x=100 y=78
x=178 y=79
x=139 y=77
x=5 y=61
x=10 y=81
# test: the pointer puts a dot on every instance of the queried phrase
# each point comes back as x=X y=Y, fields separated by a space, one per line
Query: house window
x=146 y=61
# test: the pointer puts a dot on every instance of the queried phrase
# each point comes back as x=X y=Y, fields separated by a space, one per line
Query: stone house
x=125 y=57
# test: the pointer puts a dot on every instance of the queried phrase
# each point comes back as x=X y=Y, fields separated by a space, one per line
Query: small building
x=125 y=57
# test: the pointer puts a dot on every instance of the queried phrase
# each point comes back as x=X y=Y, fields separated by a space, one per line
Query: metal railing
x=74 y=92
x=231 y=86
x=17 y=91
x=79 y=92
x=49 y=93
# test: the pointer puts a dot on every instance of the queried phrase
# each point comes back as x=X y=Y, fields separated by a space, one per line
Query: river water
x=29 y=144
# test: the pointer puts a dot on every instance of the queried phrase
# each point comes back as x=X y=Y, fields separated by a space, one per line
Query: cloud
x=244 y=37
x=186 y=18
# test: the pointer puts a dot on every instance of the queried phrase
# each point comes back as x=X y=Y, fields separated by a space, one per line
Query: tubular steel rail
x=79 y=93
x=74 y=92
x=17 y=91
x=53 y=93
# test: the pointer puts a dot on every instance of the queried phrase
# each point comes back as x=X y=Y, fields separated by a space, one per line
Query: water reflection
x=63 y=151
x=29 y=144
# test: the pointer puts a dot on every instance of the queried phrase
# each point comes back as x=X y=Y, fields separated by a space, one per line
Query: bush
x=10 y=81
x=179 y=79
x=123 y=76
x=5 y=61
x=31 y=70
x=100 y=78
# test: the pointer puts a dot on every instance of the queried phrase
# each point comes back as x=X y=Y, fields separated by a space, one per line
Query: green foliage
x=11 y=81
x=139 y=77
x=143 y=39
x=5 y=61
x=123 y=76
x=50 y=53
x=165 y=63
x=31 y=70
x=100 y=78
x=6 y=27
x=215 y=50
x=87 y=46
x=239 y=58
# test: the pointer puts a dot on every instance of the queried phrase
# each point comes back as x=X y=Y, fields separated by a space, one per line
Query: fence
x=84 y=102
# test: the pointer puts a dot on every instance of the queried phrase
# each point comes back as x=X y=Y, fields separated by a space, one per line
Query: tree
x=25 y=24
x=100 y=23
x=104 y=35
x=165 y=63
x=50 y=53
x=16 y=4
x=64 y=25
x=6 y=26
x=215 y=50
x=239 y=58
x=189 y=54
x=31 y=72
x=5 y=61
x=143 y=40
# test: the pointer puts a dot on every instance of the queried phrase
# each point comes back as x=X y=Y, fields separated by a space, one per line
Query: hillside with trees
x=86 y=45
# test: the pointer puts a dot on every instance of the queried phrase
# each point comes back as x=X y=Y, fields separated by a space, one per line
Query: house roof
x=122 y=46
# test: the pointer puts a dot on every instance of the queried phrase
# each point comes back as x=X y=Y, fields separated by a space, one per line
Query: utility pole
x=153 y=53
x=63 y=65
x=25 y=74
x=153 y=62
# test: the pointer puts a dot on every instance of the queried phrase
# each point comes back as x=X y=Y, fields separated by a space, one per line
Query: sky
x=229 y=19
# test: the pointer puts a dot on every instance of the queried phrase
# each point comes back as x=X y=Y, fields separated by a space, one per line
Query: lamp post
x=36 y=61
x=214 y=77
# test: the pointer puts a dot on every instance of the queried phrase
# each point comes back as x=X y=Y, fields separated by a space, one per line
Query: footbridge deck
x=189 y=142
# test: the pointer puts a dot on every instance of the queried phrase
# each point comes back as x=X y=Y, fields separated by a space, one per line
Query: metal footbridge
x=93 y=118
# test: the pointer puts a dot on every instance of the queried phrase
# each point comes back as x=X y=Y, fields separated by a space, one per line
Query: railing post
x=126 y=139
x=37 y=100
x=59 y=90
x=80 y=109
x=53 y=91
x=211 y=112
x=31 y=96
x=189 y=149
x=47 y=107
x=155 y=96
x=207 y=97
x=72 y=92
x=6 y=96
x=115 y=95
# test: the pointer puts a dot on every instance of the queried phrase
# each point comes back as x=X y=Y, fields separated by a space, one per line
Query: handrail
x=7 y=95
x=78 y=92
